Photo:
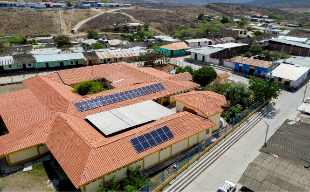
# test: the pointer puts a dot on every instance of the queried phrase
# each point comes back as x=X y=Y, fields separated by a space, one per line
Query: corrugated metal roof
x=304 y=107
x=6 y=60
x=290 y=42
x=197 y=40
x=115 y=120
x=205 y=50
x=58 y=57
x=269 y=173
x=119 y=53
x=288 y=72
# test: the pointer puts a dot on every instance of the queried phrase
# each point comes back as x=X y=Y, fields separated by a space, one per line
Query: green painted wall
x=175 y=52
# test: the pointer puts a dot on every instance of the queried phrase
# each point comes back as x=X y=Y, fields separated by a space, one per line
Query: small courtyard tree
x=150 y=56
x=62 y=41
x=238 y=93
x=204 y=76
x=264 y=89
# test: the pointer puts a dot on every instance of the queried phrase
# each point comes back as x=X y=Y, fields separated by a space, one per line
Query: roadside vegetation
x=134 y=181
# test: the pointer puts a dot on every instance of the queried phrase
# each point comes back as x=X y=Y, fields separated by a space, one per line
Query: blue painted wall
x=259 y=71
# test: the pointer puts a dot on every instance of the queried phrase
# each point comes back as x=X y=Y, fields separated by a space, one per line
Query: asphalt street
x=235 y=160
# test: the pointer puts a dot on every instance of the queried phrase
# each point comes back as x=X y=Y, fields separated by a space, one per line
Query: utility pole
x=266 y=133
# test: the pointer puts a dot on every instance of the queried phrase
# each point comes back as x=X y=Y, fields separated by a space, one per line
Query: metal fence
x=203 y=146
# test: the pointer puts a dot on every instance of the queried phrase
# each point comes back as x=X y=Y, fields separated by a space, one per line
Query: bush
x=92 y=34
x=232 y=113
x=187 y=68
x=204 y=76
x=221 y=89
x=248 y=54
x=238 y=93
x=62 y=41
x=88 y=87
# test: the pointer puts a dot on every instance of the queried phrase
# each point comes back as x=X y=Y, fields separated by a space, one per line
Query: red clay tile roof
x=207 y=102
x=254 y=62
x=186 y=76
x=155 y=72
x=176 y=46
x=45 y=113
x=223 y=75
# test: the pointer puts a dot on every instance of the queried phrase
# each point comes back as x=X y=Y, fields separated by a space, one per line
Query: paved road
x=234 y=161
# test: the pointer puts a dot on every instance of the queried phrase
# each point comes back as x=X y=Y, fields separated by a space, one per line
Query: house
x=291 y=75
x=270 y=20
x=235 y=33
x=127 y=5
x=250 y=66
x=59 y=60
x=293 y=45
x=163 y=38
x=199 y=42
x=174 y=49
x=46 y=51
x=135 y=25
x=283 y=163
x=273 y=31
x=204 y=53
x=94 y=142
x=206 y=104
x=118 y=55
x=221 y=78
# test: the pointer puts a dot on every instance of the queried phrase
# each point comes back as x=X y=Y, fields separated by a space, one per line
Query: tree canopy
x=257 y=33
x=224 y=19
x=97 y=46
x=248 y=54
x=255 y=49
x=232 y=113
x=150 y=56
x=264 y=89
x=62 y=41
x=204 y=76
x=243 y=23
x=92 y=34
x=69 y=4
x=187 y=68
x=237 y=93
x=272 y=15
x=88 y=87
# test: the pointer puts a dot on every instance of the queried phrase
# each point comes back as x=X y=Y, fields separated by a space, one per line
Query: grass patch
x=38 y=171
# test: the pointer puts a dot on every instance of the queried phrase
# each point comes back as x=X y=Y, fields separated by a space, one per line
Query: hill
x=195 y=2
x=280 y=3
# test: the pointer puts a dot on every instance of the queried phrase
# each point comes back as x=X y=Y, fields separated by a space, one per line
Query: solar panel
x=137 y=92
x=79 y=106
x=122 y=94
x=151 y=139
x=85 y=105
x=161 y=86
x=117 y=97
x=146 y=91
x=97 y=101
x=102 y=101
x=108 y=99
x=132 y=93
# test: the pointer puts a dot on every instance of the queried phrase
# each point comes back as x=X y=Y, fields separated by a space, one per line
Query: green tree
x=146 y=25
x=224 y=19
x=16 y=40
x=238 y=94
x=264 y=89
x=307 y=25
x=88 y=87
x=272 y=15
x=150 y=56
x=62 y=41
x=255 y=49
x=69 y=4
x=85 y=46
x=92 y=34
x=257 y=33
x=204 y=76
x=243 y=23
x=179 y=70
x=187 y=68
x=201 y=16
x=248 y=54
x=97 y=46
x=220 y=89
x=232 y=113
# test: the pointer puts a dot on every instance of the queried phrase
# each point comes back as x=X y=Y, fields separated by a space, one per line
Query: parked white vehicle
x=227 y=186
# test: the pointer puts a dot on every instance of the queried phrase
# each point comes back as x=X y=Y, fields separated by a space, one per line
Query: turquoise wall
x=175 y=52
x=18 y=66
x=57 y=63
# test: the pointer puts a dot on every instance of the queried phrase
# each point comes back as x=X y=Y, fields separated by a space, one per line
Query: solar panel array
x=117 y=97
x=150 y=139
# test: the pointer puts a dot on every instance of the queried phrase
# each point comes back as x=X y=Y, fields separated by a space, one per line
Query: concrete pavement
x=235 y=160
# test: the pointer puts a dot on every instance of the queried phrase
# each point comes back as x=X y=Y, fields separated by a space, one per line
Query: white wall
x=216 y=119
x=120 y=174
x=92 y=187
x=179 y=146
x=43 y=149
x=24 y=154
x=203 y=135
x=165 y=153
x=136 y=164
x=150 y=160
x=193 y=140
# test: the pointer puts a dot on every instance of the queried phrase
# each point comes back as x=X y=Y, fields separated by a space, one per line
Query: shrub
x=187 y=68
x=248 y=54
x=238 y=93
x=232 y=113
x=88 y=87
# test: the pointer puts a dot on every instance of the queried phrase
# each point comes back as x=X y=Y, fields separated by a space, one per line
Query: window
x=71 y=62
x=29 y=65
x=259 y=72
x=10 y=66
x=207 y=131
x=121 y=58
x=225 y=80
x=108 y=59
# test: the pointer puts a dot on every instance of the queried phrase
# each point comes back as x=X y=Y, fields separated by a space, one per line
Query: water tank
x=227 y=26
x=158 y=33
x=103 y=38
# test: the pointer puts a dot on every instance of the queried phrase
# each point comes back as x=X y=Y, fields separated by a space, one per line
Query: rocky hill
x=280 y=3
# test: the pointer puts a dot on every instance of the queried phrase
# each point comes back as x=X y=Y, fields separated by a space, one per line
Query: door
x=76 y=62
x=203 y=58
x=46 y=65
x=251 y=71
x=240 y=68
x=171 y=53
x=61 y=64
x=24 y=66
x=198 y=44
x=195 y=56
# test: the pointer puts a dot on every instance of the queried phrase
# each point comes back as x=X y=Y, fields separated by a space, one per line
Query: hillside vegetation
x=280 y=3
x=29 y=23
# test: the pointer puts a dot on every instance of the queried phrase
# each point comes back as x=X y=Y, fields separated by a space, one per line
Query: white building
x=199 y=42
x=203 y=53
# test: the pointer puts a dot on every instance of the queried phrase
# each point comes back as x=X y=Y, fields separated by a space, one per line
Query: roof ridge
x=47 y=79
